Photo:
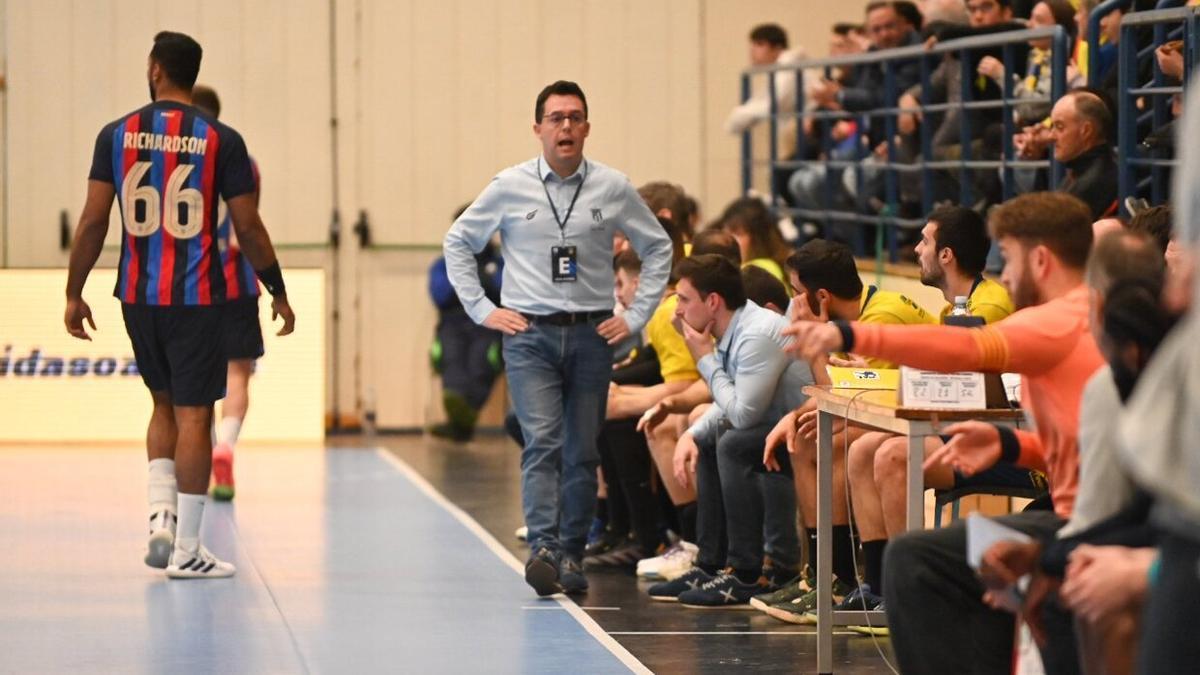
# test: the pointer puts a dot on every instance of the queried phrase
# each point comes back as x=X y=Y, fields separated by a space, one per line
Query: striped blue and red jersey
x=240 y=279
x=171 y=166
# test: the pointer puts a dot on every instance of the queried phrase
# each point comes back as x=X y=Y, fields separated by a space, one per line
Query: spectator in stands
x=1082 y=131
x=1038 y=75
x=750 y=222
x=886 y=29
x=739 y=351
x=945 y=86
x=768 y=46
x=910 y=14
x=667 y=200
x=466 y=355
x=935 y=612
x=864 y=90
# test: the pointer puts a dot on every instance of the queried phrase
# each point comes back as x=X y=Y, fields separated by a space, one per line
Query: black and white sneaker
x=198 y=564
x=162 y=539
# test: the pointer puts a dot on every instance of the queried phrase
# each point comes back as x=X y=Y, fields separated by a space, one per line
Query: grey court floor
x=397 y=558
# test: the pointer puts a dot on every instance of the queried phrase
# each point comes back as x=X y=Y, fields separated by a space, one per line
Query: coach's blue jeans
x=558 y=378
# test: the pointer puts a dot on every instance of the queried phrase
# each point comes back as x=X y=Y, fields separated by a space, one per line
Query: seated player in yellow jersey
x=828 y=287
x=952 y=252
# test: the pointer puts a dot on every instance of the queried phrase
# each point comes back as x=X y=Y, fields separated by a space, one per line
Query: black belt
x=567 y=318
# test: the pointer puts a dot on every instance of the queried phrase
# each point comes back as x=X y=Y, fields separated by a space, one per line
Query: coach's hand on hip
x=614 y=330
x=506 y=321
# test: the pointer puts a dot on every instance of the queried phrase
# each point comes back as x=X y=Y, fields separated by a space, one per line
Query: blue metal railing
x=887 y=217
x=1141 y=173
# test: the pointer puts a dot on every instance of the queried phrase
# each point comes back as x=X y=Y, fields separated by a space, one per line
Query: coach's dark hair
x=714 y=274
x=206 y=98
x=559 y=88
x=963 y=232
x=827 y=264
x=179 y=56
x=770 y=33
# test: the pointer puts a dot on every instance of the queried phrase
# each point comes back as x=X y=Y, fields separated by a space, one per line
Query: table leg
x=915 y=517
x=824 y=569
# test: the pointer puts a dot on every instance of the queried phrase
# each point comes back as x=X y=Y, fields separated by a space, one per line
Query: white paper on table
x=982 y=534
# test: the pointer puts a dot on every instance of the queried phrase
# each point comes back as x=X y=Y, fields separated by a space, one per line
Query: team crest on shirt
x=597 y=216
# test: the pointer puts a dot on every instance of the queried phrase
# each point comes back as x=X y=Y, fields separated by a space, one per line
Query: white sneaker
x=198 y=565
x=162 y=539
x=670 y=565
x=522 y=533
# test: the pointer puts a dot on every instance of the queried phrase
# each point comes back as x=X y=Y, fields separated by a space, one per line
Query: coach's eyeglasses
x=557 y=119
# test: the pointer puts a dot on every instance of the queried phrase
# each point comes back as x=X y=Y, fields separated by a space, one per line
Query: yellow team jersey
x=771 y=266
x=988 y=300
x=893 y=308
x=674 y=360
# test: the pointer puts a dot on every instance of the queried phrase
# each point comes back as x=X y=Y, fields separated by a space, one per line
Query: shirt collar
x=727 y=339
x=548 y=173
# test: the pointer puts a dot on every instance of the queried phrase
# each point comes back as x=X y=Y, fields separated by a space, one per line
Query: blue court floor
x=347 y=562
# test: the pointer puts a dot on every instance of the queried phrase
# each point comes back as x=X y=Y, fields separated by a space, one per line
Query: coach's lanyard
x=562 y=222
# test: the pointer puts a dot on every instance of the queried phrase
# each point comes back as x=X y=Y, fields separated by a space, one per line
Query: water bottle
x=961 y=316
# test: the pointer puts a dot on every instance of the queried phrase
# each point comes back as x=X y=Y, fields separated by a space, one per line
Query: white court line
x=586 y=609
x=725 y=632
x=589 y=624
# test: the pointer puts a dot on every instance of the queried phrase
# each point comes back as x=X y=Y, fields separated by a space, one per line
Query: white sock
x=161 y=488
x=191 y=513
x=228 y=430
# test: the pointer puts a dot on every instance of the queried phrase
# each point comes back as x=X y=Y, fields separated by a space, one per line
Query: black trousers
x=625 y=457
x=938 y=621
x=1169 y=643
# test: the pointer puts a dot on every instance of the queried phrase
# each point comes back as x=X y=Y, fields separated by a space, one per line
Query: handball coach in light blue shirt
x=556 y=215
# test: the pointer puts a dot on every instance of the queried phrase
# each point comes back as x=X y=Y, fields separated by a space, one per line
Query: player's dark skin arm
x=256 y=246
x=85 y=250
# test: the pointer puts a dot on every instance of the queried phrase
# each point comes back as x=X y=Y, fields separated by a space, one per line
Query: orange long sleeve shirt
x=1048 y=345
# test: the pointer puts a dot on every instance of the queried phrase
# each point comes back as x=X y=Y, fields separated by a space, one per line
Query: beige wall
x=433 y=98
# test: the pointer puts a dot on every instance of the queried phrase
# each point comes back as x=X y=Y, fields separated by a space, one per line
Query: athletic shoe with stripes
x=198 y=565
x=162 y=539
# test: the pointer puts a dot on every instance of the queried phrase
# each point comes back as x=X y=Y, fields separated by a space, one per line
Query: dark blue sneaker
x=596 y=531
x=570 y=577
x=541 y=572
x=859 y=599
x=724 y=590
x=668 y=591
